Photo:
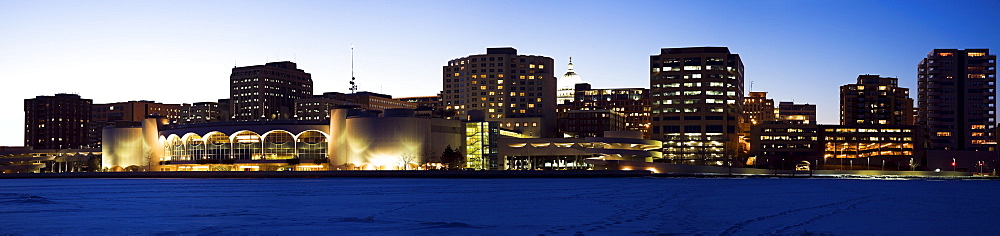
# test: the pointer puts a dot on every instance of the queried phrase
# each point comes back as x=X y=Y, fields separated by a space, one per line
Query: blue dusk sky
x=183 y=51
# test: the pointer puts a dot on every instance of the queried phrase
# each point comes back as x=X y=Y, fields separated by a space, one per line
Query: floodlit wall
x=390 y=143
x=122 y=148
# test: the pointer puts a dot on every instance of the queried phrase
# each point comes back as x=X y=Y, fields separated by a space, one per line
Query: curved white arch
x=264 y=136
x=232 y=137
x=304 y=131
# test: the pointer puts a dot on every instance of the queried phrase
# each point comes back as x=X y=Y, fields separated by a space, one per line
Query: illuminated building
x=632 y=103
x=204 y=112
x=318 y=107
x=875 y=100
x=590 y=123
x=511 y=89
x=861 y=145
x=351 y=139
x=789 y=111
x=135 y=111
x=481 y=139
x=25 y=160
x=957 y=98
x=782 y=144
x=758 y=108
x=57 y=122
x=572 y=153
x=697 y=98
x=567 y=85
x=267 y=92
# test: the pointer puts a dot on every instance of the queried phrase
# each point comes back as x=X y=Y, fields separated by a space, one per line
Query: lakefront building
x=267 y=92
x=957 y=98
x=697 y=98
x=519 y=91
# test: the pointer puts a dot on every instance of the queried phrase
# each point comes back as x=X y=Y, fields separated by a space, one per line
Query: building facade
x=61 y=121
x=590 y=123
x=506 y=86
x=134 y=111
x=757 y=108
x=632 y=103
x=957 y=98
x=318 y=107
x=789 y=111
x=697 y=98
x=205 y=112
x=267 y=92
x=875 y=100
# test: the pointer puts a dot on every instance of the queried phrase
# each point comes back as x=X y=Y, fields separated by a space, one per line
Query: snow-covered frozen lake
x=603 y=206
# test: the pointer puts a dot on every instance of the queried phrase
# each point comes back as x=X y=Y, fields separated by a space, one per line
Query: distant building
x=423 y=101
x=61 y=121
x=631 y=103
x=267 y=92
x=791 y=141
x=512 y=89
x=590 y=123
x=697 y=96
x=875 y=100
x=788 y=111
x=101 y=114
x=957 y=98
x=204 y=112
x=567 y=85
x=318 y=107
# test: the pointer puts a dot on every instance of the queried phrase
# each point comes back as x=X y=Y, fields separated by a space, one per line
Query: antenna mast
x=354 y=86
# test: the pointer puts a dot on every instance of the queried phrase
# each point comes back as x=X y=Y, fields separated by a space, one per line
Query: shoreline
x=441 y=174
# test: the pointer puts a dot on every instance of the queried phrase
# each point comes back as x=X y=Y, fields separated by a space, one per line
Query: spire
x=570 y=68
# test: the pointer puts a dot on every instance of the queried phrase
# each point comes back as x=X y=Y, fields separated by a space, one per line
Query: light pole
x=954 y=164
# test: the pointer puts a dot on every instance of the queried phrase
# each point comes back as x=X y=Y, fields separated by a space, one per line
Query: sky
x=184 y=51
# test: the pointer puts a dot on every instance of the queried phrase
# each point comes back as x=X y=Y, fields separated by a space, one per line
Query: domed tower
x=566 y=85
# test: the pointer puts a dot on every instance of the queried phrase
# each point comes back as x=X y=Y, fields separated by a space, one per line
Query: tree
x=452 y=159
x=405 y=159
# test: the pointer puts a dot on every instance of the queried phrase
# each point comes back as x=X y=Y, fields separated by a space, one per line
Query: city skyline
x=113 y=51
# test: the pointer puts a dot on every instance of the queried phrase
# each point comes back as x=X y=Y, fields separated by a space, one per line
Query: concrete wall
x=122 y=147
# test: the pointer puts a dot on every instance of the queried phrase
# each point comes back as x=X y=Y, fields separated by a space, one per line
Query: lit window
x=943 y=134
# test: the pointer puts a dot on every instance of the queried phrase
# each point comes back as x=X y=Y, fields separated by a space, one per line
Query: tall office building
x=267 y=92
x=519 y=91
x=802 y=113
x=957 y=98
x=57 y=122
x=567 y=84
x=697 y=98
x=875 y=100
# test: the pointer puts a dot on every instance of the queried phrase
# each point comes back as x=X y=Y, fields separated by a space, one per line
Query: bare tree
x=405 y=159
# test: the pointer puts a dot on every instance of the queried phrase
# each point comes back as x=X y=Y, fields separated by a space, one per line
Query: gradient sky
x=183 y=51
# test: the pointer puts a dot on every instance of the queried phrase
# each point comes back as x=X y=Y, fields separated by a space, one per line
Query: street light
x=954 y=165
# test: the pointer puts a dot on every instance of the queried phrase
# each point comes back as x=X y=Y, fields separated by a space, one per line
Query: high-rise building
x=875 y=100
x=519 y=91
x=57 y=122
x=567 y=84
x=789 y=111
x=631 y=103
x=267 y=92
x=957 y=98
x=697 y=98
